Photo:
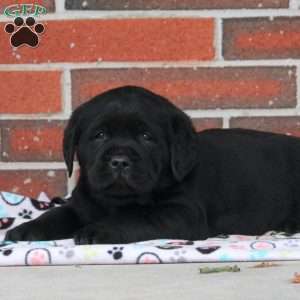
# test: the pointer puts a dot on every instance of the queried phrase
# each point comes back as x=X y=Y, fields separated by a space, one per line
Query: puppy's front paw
x=29 y=231
x=93 y=234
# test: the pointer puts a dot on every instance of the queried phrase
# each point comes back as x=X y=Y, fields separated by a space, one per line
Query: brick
x=189 y=88
x=33 y=182
x=25 y=92
x=207 y=123
x=173 y=4
x=1 y=144
x=261 y=38
x=32 y=140
x=117 y=40
x=48 y=4
x=285 y=125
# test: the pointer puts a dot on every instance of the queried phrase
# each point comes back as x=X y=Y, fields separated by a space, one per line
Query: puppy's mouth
x=121 y=185
x=116 y=182
x=121 y=178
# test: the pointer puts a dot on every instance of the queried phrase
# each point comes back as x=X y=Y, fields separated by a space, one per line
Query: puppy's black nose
x=120 y=162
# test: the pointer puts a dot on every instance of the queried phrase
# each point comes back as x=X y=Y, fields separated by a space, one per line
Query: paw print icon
x=24 y=32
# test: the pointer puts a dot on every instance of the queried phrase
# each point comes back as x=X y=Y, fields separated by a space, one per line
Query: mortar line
x=67 y=90
x=52 y=117
x=219 y=39
x=194 y=113
x=255 y=112
x=62 y=14
x=226 y=122
x=59 y=6
x=294 y=4
x=161 y=64
x=298 y=87
x=32 y=166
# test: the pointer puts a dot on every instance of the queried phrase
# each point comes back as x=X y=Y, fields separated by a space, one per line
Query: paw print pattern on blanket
x=6 y=252
x=116 y=252
x=262 y=245
x=179 y=256
x=148 y=258
x=175 y=245
x=6 y=223
x=38 y=256
x=292 y=243
x=168 y=247
x=11 y=199
x=207 y=250
x=25 y=214
x=41 y=205
x=67 y=252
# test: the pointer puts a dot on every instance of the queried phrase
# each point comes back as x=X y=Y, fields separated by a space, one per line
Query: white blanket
x=16 y=209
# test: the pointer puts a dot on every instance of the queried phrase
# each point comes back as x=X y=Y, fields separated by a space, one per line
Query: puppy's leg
x=57 y=223
x=292 y=224
x=176 y=222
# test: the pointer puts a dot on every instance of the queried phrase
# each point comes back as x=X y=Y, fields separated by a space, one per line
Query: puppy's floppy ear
x=70 y=141
x=184 y=150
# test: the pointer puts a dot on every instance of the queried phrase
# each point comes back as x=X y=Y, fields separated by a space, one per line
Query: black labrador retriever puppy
x=146 y=174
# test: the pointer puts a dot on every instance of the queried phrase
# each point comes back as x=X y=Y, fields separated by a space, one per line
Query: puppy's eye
x=100 y=135
x=146 y=136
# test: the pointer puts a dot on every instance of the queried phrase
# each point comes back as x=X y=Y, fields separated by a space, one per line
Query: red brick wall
x=227 y=63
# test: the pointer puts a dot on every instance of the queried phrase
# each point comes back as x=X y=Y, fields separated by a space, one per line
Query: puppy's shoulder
x=245 y=140
x=235 y=138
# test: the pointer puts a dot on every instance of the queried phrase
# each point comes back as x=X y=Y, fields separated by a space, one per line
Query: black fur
x=146 y=174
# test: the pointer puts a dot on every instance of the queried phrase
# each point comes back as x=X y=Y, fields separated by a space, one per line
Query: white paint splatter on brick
x=51 y=174
x=15 y=189
x=27 y=181
x=84 y=4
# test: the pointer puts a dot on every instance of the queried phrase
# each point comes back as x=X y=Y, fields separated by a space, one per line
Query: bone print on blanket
x=16 y=209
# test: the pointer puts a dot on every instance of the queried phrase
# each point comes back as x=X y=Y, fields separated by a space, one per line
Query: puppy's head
x=129 y=142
